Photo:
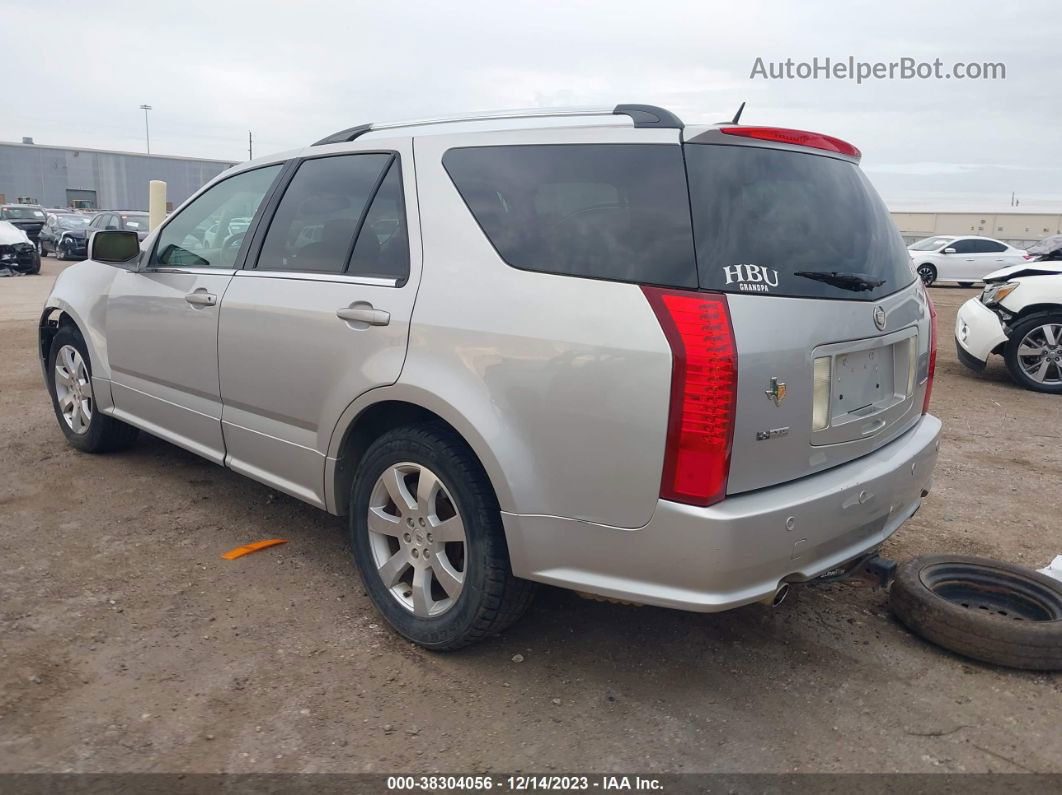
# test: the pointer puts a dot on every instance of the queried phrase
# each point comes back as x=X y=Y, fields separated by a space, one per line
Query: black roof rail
x=650 y=116
x=343 y=136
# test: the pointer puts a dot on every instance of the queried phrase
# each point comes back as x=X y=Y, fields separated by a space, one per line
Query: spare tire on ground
x=985 y=609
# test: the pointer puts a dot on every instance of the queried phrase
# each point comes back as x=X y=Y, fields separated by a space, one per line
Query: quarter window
x=606 y=211
x=316 y=221
x=382 y=249
x=209 y=232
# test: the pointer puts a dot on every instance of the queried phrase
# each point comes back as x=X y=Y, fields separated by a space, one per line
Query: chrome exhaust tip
x=780 y=595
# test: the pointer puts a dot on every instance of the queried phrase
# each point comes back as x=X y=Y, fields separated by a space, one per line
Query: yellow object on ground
x=247 y=549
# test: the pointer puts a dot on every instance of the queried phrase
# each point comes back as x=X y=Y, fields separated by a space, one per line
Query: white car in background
x=1019 y=316
x=964 y=259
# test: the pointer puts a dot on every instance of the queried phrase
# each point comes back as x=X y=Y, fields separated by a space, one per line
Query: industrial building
x=1019 y=229
x=63 y=176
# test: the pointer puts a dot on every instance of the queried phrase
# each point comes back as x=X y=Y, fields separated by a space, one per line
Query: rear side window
x=315 y=223
x=604 y=211
x=793 y=224
x=990 y=247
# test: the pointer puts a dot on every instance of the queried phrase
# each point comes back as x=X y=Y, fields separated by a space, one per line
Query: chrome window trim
x=308 y=276
x=175 y=269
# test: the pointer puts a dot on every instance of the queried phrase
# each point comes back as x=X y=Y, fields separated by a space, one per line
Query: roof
x=118 y=152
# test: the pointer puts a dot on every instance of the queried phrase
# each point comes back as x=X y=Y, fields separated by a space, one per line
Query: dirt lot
x=128 y=644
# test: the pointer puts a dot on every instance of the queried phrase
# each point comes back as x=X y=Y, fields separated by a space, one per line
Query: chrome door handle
x=201 y=298
x=364 y=314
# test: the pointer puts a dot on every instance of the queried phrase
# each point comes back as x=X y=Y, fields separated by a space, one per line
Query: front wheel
x=1034 y=353
x=74 y=401
x=427 y=537
x=927 y=273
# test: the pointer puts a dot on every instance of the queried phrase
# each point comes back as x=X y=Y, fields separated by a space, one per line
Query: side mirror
x=115 y=248
x=949 y=250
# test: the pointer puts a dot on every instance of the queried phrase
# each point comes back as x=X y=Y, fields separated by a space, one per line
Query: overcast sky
x=292 y=72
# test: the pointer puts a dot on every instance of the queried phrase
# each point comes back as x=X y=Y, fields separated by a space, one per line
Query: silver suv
x=674 y=365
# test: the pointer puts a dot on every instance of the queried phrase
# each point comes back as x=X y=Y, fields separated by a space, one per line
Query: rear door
x=322 y=316
x=830 y=322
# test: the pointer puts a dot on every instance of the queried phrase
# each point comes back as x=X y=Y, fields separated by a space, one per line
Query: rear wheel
x=70 y=382
x=927 y=273
x=427 y=538
x=1034 y=353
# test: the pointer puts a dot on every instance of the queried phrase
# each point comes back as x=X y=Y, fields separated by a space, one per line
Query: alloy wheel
x=417 y=538
x=1040 y=354
x=73 y=389
x=927 y=275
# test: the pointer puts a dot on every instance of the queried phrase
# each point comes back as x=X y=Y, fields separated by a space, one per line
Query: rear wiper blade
x=856 y=282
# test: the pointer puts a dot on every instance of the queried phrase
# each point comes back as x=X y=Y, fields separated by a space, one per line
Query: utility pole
x=250 y=146
x=147 y=129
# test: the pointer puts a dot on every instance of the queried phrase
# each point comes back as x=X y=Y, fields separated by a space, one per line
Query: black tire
x=36 y=264
x=491 y=598
x=927 y=273
x=985 y=609
x=103 y=433
x=1010 y=355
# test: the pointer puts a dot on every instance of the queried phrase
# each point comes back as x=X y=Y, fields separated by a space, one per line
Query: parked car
x=963 y=259
x=1019 y=317
x=125 y=220
x=523 y=360
x=1047 y=250
x=57 y=235
x=17 y=253
x=27 y=217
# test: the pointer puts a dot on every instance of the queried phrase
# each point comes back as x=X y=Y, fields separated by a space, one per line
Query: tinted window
x=608 y=211
x=964 y=246
x=382 y=249
x=202 y=235
x=787 y=223
x=110 y=222
x=990 y=247
x=314 y=225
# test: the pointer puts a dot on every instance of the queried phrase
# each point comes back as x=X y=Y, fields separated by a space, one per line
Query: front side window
x=202 y=235
x=605 y=211
x=964 y=246
x=316 y=221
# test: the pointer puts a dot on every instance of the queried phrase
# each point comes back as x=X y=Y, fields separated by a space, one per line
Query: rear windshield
x=604 y=211
x=792 y=224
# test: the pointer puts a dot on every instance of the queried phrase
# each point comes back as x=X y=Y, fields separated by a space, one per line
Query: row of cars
x=29 y=232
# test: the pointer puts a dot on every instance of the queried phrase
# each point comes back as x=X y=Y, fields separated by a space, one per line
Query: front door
x=322 y=318
x=162 y=321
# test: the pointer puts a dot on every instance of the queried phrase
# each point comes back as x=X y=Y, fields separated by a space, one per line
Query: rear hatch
x=830 y=323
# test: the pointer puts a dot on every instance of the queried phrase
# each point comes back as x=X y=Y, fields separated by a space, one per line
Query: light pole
x=147 y=129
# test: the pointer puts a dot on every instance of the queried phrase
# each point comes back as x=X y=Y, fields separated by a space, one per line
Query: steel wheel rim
x=925 y=273
x=1040 y=354
x=1003 y=595
x=417 y=538
x=73 y=389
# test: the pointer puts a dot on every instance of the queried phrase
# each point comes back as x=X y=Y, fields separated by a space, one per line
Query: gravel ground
x=128 y=644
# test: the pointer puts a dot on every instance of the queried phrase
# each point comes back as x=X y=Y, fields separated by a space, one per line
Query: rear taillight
x=798 y=137
x=700 y=426
x=932 y=352
x=1028 y=256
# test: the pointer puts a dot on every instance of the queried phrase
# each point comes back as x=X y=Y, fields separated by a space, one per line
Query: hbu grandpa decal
x=751 y=278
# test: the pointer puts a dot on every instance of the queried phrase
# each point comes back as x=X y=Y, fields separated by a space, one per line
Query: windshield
x=792 y=224
x=22 y=213
x=136 y=223
x=930 y=243
x=73 y=221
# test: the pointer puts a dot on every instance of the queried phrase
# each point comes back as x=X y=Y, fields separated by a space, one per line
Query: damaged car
x=17 y=254
x=1019 y=317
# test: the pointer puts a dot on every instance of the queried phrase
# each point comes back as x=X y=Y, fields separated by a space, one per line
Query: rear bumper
x=978 y=330
x=740 y=550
